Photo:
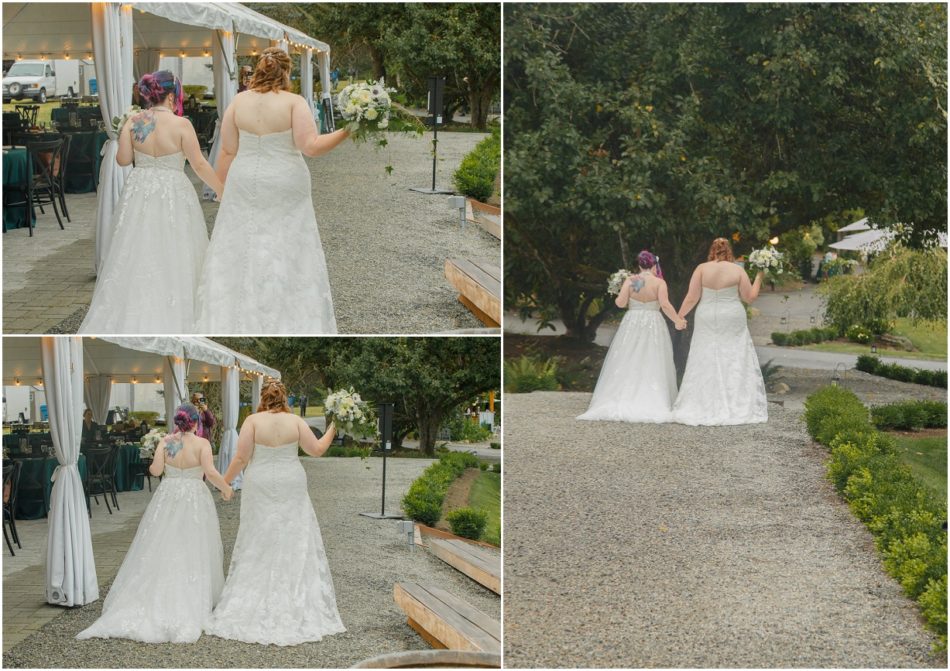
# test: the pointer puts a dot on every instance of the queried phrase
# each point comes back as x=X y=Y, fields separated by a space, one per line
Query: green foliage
x=342 y=451
x=905 y=516
x=475 y=176
x=147 y=416
x=496 y=468
x=858 y=334
x=461 y=427
x=899 y=282
x=495 y=446
x=616 y=141
x=467 y=522
x=874 y=366
x=799 y=245
x=196 y=90
x=526 y=374
x=423 y=501
x=805 y=336
x=910 y=415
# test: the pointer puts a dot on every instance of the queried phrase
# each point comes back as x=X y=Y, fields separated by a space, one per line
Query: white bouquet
x=119 y=121
x=767 y=259
x=615 y=283
x=351 y=414
x=365 y=107
x=150 y=441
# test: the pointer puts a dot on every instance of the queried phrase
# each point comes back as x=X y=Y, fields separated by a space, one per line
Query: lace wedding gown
x=265 y=272
x=279 y=589
x=723 y=383
x=148 y=279
x=638 y=380
x=173 y=573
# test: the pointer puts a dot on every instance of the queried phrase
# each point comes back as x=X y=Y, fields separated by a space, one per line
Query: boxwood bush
x=476 y=173
x=910 y=415
x=804 y=336
x=468 y=522
x=906 y=517
x=874 y=366
x=423 y=501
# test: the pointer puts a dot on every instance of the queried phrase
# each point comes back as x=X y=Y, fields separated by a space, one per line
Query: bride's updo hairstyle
x=273 y=397
x=186 y=419
x=155 y=87
x=647 y=260
x=272 y=72
x=720 y=250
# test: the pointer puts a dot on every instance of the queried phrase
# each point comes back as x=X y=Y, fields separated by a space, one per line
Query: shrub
x=910 y=415
x=867 y=363
x=476 y=173
x=527 y=374
x=874 y=366
x=859 y=334
x=804 y=337
x=467 y=522
x=496 y=468
x=423 y=501
x=779 y=338
x=495 y=446
x=483 y=466
x=906 y=517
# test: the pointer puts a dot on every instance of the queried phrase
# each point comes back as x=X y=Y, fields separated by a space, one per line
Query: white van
x=39 y=80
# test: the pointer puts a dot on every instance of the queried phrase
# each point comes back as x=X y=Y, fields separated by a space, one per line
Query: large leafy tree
x=662 y=126
x=426 y=378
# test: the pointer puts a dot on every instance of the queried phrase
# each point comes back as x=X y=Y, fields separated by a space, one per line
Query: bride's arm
x=125 y=154
x=192 y=151
x=242 y=456
x=694 y=293
x=312 y=445
x=749 y=291
x=157 y=467
x=207 y=465
x=229 y=144
x=623 y=298
x=663 y=296
x=306 y=136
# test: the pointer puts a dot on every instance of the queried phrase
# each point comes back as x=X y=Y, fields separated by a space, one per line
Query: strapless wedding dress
x=147 y=282
x=279 y=589
x=638 y=380
x=723 y=383
x=173 y=573
x=265 y=272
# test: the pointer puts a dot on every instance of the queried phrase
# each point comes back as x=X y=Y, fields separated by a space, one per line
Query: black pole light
x=436 y=94
x=385 y=413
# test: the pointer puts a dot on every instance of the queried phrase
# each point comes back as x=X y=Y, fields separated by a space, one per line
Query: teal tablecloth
x=127 y=456
x=32 y=507
x=17 y=170
x=84 y=146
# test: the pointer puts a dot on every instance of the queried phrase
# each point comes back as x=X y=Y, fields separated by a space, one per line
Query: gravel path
x=367 y=557
x=672 y=546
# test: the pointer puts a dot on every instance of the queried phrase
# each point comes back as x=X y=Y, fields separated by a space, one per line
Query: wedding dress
x=279 y=589
x=147 y=282
x=723 y=382
x=637 y=382
x=173 y=573
x=265 y=272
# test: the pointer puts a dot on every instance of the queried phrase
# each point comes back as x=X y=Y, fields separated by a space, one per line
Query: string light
x=157 y=379
x=66 y=57
x=16 y=381
x=135 y=380
x=39 y=383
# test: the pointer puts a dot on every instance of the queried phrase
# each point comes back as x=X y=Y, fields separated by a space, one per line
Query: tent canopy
x=868 y=241
x=859 y=225
x=126 y=358
x=60 y=29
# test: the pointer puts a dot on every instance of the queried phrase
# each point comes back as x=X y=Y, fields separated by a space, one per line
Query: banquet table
x=84 y=147
x=127 y=457
x=17 y=172
x=39 y=471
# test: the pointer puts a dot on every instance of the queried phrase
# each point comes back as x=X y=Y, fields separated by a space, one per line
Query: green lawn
x=927 y=457
x=930 y=339
x=486 y=495
x=42 y=116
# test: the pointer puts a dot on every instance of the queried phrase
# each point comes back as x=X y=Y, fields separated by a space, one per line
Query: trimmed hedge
x=468 y=522
x=476 y=173
x=423 y=501
x=910 y=415
x=873 y=365
x=905 y=516
x=805 y=336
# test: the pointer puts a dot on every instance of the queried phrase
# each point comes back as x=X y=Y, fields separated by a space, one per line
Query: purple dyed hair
x=647 y=260
x=156 y=86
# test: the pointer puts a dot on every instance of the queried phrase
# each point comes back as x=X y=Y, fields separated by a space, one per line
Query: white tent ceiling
x=859 y=225
x=59 y=29
x=125 y=358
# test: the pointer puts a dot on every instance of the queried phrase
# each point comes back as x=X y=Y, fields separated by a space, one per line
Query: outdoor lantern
x=811 y=320
x=458 y=202
x=409 y=528
x=783 y=320
x=873 y=349
x=836 y=376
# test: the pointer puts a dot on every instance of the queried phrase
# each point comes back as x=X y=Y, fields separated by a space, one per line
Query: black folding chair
x=100 y=463
x=47 y=158
x=59 y=177
x=11 y=475
x=28 y=113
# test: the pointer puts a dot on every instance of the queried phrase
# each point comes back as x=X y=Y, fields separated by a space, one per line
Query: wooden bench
x=445 y=621
x=479 y=287
x=479 y=565
x=487 y=217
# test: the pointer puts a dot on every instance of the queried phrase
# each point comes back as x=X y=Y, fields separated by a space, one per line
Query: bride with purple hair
x=638 y=380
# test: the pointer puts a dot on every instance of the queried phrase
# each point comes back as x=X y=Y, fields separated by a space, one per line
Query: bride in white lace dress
x=637 y=382
x=723 y=383
x=148 y=279
x=279 y=589
x=265 y=272
x=173 y=574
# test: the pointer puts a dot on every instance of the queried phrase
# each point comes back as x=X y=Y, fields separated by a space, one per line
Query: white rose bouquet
x=767 y=259
x=615 y=283
x=150 y=441
x=119 y=121
x=351 y=414
x=366 y=108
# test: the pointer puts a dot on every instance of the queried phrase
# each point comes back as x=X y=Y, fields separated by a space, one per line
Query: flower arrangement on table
x=150 y=441
x=351 y=414
x=615 y=283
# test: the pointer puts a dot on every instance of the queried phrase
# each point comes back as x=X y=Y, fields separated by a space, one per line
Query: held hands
x=680 y=324
x=226 y=494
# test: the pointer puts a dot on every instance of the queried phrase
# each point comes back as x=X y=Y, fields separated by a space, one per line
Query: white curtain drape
x=230 y=401
x=98 y=393
x=306 y=77
x=112 y=45
x=146 y=61
x=257 y=384
x=70 y=565
x=323 y=63
x=173 y=378
x=224 y=65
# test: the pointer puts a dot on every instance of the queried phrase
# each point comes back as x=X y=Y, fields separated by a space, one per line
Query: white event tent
x=78 y=372
x=873 y=240
x=128 y=39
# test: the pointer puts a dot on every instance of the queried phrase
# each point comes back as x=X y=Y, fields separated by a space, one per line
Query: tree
x=662 y=126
